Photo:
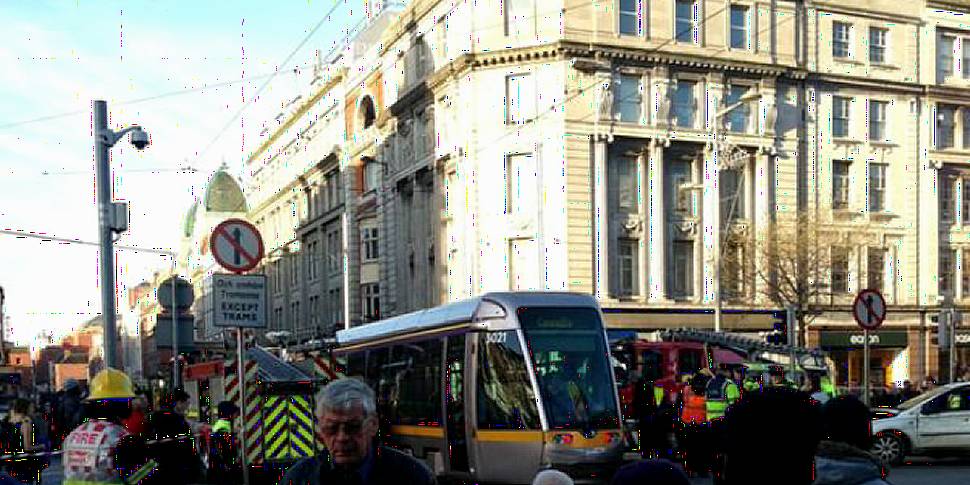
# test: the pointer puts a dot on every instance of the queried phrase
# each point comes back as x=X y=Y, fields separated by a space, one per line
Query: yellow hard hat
x=111 y=384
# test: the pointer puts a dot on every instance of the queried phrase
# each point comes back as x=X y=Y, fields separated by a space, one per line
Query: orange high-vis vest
x=695 y=407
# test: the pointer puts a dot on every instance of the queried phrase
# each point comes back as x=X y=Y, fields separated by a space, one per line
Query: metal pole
x=3 y=329
x=792 y=337
x=102 y=182
x=953 y=338
x=865 y=366
x=717 y=232
x=176 y=375
x=241 y=372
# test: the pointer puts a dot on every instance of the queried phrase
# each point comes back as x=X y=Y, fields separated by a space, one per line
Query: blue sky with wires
x=59 y=56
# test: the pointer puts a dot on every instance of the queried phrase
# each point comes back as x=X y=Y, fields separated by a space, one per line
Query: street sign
x=869 y=309
x=236 y=245
x=238 y=300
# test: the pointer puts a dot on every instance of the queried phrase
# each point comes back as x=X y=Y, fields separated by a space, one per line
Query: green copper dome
x=189 y=226
x=223 y=194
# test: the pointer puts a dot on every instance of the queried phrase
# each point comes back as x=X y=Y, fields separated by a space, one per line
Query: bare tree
x=800 y=260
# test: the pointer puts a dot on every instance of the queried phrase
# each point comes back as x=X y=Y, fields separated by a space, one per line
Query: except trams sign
x=238 y=300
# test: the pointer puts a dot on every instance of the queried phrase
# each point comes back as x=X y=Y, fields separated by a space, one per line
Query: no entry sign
x=236 y=245
x=869 y=309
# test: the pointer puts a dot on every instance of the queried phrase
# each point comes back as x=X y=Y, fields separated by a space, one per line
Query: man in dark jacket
x=347 y=415
x=842 y=457
x=173 y=445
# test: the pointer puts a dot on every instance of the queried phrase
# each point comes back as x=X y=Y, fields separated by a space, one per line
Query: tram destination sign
x=238 y=300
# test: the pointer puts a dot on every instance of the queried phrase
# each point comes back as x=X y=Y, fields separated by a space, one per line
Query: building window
x=372 y=175
x=523 y=264
x=684 y=104
x=875 y=268
x=629 y=99
x=739 y=27
x=965 y=182
x=682 y=276
x=626 y=182
x=840 y=184
x=334 y=252
x=947 y=269
x=948 y=198
x=965 y=274
x=629 y=267
x=681 y=173
x=878 y=42
x=738 y=117
x=945 y=126
x=840 y=270
x=370 y=301
x=686 y=21
x=333 y=189
x=877 y=187
x=840 y=116
x=369 y=241
x=519 y=17
x=841 y=39
x=522 y=197
x=631 y=17
x=732 y=195
x=519 y=98
x=295 y=269
x=944 y=55
x=733 y=275
x=877 y=120
x=965 y=119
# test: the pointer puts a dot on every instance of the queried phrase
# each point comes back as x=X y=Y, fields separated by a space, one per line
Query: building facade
x=644 y=152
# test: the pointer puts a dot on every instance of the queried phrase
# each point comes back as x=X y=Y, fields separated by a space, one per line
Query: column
x=644 y=265
x=762 y=209
x=600 y=220
x=656 y=228
x=709 y=217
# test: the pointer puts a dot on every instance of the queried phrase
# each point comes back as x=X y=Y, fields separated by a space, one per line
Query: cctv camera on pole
x=112 y=216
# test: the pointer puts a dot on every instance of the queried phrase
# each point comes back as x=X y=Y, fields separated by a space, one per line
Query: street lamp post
x=715 y=135
x=112 y=217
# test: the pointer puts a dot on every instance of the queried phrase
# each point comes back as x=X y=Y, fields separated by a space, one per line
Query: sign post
x=238 y=300
x=869 y=310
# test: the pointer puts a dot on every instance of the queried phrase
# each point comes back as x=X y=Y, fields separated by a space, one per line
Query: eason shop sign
x=857 y=339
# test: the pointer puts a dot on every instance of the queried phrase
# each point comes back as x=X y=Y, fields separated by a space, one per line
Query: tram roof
x=455 y=313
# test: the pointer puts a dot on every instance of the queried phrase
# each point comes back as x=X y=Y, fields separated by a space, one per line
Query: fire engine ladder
x=755 y=349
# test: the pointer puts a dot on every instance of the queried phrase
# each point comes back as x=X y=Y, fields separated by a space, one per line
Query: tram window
x=688 y=361
x=376 y=359
x=505 y=396
x=417 y=369
x=355 y=364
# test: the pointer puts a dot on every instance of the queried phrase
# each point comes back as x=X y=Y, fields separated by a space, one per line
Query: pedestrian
x=70 y=410
x=552 y=477
x=347 y=416
x=721 y=392
x=223 y=446
x=25 y=469
x=909 y=391
x=137 y=421
x=842 y=457
x=652 y=472
x=694 y=438
x=101 y=451
x=171 y=442
x=816 y=392
x=769 y=436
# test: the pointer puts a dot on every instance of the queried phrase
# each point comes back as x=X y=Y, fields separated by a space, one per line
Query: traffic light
x=942 y=328
x=779 y=329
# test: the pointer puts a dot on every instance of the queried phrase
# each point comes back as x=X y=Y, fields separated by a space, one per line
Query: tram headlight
x=563 y=439
x=614 y=437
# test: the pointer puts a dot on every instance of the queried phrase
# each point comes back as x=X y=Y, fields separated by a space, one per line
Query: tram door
x=455 y=404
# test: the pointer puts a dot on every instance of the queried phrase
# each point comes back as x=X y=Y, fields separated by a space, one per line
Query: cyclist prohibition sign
x=869 y=309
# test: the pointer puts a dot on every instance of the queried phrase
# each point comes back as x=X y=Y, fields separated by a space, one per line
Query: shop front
x=888 y=356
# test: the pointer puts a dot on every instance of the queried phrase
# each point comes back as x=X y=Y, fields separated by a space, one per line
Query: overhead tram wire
x=63 y=240
x=259 y=91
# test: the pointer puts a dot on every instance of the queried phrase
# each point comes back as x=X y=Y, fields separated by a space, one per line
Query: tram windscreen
x=571 y=362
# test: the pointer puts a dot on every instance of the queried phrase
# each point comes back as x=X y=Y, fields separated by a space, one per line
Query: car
x=936 y=422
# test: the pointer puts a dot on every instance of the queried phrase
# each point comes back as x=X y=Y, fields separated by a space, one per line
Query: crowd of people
x=110 y=434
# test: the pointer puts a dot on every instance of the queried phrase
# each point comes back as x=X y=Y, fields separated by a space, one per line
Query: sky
x=58 y=56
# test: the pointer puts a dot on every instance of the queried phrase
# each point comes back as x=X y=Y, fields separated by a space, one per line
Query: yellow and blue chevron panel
x=302 y=435
x=276 y=428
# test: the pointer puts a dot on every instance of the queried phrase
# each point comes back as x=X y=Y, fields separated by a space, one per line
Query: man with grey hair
x=347 y=421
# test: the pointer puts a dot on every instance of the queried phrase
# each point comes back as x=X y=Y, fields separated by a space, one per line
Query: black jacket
x=390 y=466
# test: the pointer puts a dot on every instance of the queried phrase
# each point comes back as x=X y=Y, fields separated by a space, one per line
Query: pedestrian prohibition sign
x=869 y=309
x=236 y=245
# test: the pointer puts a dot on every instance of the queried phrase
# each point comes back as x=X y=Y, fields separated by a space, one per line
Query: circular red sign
x=869 y=309
x=236 y=245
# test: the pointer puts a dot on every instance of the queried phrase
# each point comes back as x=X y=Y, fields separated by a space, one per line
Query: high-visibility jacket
x=89 y=454
x=695 y=407
x=750 y=385
x=825 y=383
x=721 y=393
x=222 y=426
x=658 y=395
